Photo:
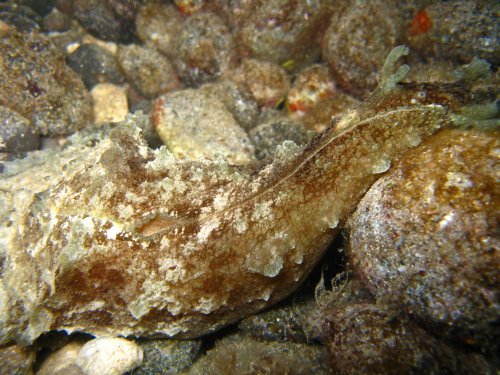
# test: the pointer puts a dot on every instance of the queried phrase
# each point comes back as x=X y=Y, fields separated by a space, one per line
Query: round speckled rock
x=204 y=49
x=240 y=103
x=109 y=356
x=319 y=117
x=36 y=83
x=269 y=135
x=457 y=30
x=108 y=20
x=95 y=65
x=357 y=42
x=16 y=132
x=167 y=356
x=194 y=124
x=23 y=18
x=42 y=7
x=237 y=354
x=267 y=82
x=364 y=339
x=311 y=85
x=150 y=72
x=158 y=25
x=426 y=236
x=283 y=31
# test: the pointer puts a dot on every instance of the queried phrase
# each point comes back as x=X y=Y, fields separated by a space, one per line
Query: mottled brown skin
x=127 y=240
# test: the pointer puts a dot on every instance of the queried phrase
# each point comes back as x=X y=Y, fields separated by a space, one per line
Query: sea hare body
x=111 y=237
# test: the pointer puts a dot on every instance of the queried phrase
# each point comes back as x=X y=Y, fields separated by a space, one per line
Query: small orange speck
x=420 y=24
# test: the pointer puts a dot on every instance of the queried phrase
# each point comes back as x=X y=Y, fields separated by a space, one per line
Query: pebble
x=193 y=124
x=110 y=103
x=16 y=132
x=311 y=85
x=188 y=7
x=42 y=7
x=63 y=360
x=15 y=360
x=283 y=31
x=356 y=43
x=109 y=356
x=365 y=339
x=241 y=104
x=269 y=135
x=167 y=356
x=425 y=236
x=108 y=20
x=36 y=83
x=56 y=21
x=147 y=70
x=319 y=117
x=204 y=49
x=284 y=323
x=236 y=354
x=158 y=25
x=267 y=82
x=95 y=65
x=457 y=30
x=22 y=17
x=234 y=13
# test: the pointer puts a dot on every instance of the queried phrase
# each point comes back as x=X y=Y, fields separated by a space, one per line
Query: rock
x=22 y=17
x=425 y=236
x=16 y=360
x=150 y=72
x=356 y=43
x=42 y=7
x=234 y=13
x=286 y=323
x=267 y=82
x=36 y=83
x=95 y=65
x=241 y=104
x=193 y=125
x=109 y=356
x=63 y=360
x=158 y=25
x=109 y=19
x=319 y=117
x=242 y=355
x=188 y=7
x=310 y=86
x=457 y=30
x=268 y=136
x=282 y=31
x=109 y=237
x=110 y=103
x=365 y=339
x=56 y=21
x=167 y=356
x=16 y=132
x=204 y=49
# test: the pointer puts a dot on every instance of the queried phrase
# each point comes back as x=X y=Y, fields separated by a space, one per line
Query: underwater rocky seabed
x=162 y=175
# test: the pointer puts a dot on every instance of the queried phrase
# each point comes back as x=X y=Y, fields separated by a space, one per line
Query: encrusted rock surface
x=36 y=83
x=112 y=237
x=426 y=236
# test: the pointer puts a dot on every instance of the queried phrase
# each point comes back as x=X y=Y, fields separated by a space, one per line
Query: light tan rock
x=61 y=360
x=110 y=103
x=109 y=356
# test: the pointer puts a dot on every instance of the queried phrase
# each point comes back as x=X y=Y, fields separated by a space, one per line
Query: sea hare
x=109 y=236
